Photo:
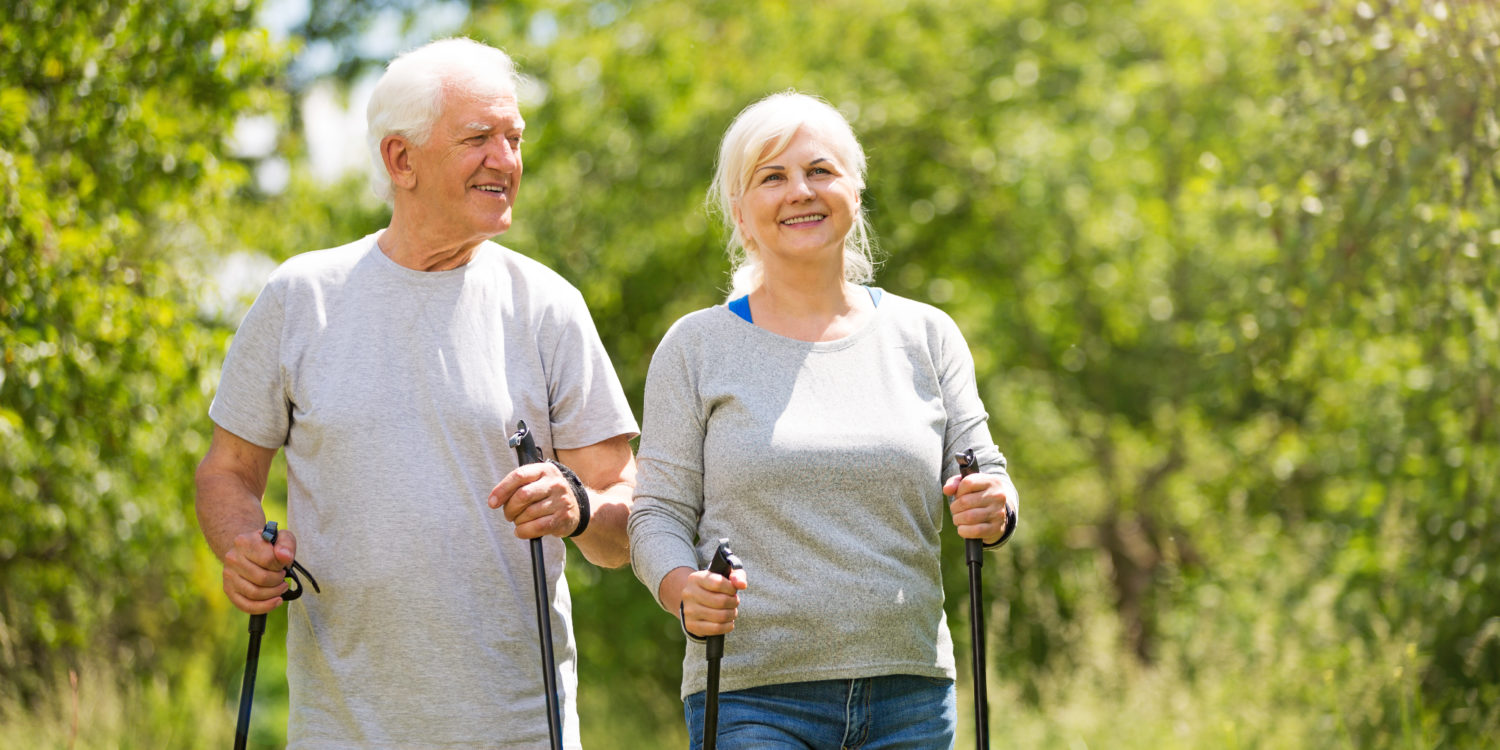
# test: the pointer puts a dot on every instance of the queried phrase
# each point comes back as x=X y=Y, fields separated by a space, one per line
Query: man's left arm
x=539 y=500
x=607 y=470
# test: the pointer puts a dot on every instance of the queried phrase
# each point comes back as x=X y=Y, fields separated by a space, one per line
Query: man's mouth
x=496 y=189
x=803 y=219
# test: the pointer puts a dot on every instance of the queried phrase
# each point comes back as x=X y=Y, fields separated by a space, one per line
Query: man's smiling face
x=468 y=171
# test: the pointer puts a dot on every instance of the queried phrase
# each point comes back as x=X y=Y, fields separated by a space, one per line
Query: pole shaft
x=247 y=688
x=711 y=706
x=974 y=550
x=544 y=625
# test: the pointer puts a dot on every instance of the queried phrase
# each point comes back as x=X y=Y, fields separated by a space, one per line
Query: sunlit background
x=1228 y=270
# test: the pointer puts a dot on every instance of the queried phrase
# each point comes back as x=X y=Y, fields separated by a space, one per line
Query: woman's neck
x=809 y=309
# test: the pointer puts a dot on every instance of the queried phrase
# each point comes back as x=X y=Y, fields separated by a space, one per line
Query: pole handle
x=525 y=445
x=724 y=561
x=974 y=548
x=294 y=590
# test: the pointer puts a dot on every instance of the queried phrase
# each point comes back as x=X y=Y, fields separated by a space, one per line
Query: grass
x=1110 y=703
x=93 y=707
x=1266 y=666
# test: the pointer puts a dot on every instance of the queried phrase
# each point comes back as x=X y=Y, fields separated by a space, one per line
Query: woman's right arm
x=668 y=502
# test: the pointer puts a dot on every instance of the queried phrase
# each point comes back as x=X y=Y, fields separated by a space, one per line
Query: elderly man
x=392 y=371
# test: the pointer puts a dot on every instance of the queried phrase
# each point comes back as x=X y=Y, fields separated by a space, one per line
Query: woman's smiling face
x=800 y=204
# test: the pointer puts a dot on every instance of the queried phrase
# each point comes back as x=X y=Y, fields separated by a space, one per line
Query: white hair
x=761 y=131
x=408 y=99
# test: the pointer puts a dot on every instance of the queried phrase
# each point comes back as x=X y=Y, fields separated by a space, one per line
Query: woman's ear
x=395 y=151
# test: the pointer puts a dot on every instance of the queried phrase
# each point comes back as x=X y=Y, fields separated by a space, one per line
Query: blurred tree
x=1227 y=271
x=1222 y=267
x=1381 y=172
x=115 y=119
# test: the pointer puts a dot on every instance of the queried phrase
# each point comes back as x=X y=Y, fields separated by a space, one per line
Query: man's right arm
x=231 y=480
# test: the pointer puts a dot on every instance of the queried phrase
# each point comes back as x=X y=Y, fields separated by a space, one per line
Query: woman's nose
x=800 y=190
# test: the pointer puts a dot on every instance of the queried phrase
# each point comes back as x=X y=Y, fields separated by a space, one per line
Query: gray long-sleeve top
x=823 y=464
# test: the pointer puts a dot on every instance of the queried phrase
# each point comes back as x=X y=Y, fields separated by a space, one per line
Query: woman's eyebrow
x=818 y=160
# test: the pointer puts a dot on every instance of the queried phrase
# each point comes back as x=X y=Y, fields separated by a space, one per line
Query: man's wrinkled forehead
x=481 y=111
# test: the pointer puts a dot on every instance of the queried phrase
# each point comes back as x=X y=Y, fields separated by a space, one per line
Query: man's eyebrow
x=484 y=127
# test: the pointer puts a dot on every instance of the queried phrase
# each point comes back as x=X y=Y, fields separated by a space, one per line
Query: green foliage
x=1227 y=270
x=114 y=169
x=1223 y=269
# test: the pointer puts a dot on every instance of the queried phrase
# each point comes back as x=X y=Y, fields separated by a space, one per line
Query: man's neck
x=423 y=251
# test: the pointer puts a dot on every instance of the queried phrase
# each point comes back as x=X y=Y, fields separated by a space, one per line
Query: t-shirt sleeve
x=669 y=489
x=251 y=401
x=587 y=402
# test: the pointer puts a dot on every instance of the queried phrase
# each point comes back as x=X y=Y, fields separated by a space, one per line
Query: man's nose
x=502 y=155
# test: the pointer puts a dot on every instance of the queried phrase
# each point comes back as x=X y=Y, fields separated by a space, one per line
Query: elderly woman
x=812 y=421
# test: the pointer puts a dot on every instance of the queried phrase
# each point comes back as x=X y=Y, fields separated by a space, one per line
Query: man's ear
x=395 y=151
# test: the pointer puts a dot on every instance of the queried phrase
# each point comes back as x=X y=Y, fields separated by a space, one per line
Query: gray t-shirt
x=393 y=392
x=823 y=464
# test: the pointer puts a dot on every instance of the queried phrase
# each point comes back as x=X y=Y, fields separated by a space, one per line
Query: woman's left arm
x=979 y=500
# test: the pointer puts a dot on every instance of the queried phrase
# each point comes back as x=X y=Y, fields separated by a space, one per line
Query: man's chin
x=499 y=225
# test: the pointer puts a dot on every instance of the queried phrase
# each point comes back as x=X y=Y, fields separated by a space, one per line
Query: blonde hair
x=761 y=131
x=408 y=99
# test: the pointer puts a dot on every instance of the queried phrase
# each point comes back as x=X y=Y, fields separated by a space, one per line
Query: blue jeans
x=896 y=712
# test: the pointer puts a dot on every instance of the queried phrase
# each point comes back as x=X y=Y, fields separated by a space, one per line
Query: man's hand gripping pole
x=257 y=629
x=528 y=453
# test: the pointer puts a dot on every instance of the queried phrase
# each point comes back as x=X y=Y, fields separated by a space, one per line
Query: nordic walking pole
x=528 y=453
x=974 y=553
x=723 y=563
x=257 y=629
